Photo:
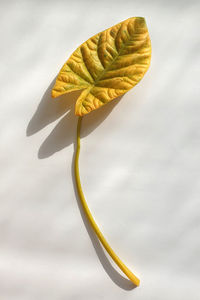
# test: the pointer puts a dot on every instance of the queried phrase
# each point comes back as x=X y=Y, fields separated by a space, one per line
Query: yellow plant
x=105 y=66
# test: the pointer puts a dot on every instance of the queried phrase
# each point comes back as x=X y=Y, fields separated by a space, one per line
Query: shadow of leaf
x=50 y=109
x=63 y=135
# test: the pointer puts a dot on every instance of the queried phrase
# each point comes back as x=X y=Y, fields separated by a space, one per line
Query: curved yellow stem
x=121 y=265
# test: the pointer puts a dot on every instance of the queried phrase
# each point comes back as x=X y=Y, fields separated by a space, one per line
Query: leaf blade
x=107 y=65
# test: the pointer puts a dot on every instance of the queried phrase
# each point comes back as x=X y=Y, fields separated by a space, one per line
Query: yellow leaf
x=107 y=65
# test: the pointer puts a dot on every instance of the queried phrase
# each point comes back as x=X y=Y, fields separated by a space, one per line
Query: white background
x=139 y=162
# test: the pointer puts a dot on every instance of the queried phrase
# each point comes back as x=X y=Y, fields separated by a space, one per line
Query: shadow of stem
x=110 y=270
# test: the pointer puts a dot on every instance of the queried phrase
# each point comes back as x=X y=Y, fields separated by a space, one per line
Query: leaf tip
x=141 y=21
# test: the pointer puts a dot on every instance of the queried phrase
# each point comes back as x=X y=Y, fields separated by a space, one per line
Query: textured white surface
x=139 y=163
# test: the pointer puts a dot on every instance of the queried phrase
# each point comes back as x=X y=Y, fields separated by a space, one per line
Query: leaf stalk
x=90 y=218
